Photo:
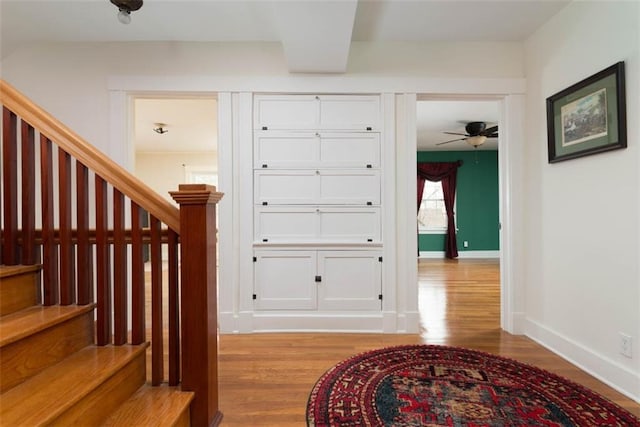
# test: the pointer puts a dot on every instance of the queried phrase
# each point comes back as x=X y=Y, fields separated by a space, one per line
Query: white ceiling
x=436 y=117
x=325 y=27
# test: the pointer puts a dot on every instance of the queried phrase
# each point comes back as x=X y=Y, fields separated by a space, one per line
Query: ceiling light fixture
x=160 y=128
x=476 y=140
x=125 y=7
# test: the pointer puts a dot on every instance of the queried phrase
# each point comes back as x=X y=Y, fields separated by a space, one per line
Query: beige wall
x=164 y=171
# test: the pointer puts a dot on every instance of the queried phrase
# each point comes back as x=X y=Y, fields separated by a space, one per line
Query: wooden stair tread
x=152 y=406
x=50 y=393
x=13 y=270
x=18 y=325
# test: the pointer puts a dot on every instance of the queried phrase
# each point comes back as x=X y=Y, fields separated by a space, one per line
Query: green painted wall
x=477 y=200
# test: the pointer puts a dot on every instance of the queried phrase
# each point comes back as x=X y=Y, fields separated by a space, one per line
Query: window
x=200 y=175
x=432 y=216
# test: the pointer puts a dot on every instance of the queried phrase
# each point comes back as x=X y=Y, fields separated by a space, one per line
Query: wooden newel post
x=199 y=299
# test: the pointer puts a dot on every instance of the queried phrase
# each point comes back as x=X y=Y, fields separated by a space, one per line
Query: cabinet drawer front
x=349 y=187
x=285 y=150
x=286 y=112
x=351 y=280
x=286 y=187
x=349 y=149
x=352 y=225
x=284 y=280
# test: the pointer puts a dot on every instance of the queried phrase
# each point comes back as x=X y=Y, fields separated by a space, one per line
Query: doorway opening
x=447 y=132
x=175 y=141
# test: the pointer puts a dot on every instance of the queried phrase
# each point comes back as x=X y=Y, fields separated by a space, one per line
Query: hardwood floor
x=265 y=379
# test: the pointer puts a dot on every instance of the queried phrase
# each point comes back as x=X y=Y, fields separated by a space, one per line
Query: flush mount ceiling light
x=160 y=128
x=125 y=7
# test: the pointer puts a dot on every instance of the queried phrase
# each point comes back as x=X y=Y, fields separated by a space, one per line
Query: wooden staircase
x=79 y=322
x=51 y=373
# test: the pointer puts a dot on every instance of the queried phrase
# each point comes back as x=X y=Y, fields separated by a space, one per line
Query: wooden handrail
x=88 y=155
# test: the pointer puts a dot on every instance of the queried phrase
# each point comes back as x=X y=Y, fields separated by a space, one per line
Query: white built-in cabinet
x=317 y=280
x=317 y=180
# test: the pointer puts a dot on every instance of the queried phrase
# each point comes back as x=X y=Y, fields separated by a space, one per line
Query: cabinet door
x=281 y=187
x=349 y=225
x=317 y=187
x=285 y=150
x=349 y=187
x=284 y=224
x=350 y=280
x=285 y=280
x=349 y=112
x=326 y=112
x=293 y=150
x=274 y=112
x=291 y=224
x=349 y=150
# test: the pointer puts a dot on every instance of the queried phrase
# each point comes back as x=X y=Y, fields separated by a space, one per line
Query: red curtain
x=445 y=172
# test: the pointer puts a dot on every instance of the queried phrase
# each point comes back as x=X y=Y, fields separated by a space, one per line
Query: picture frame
x=588 y=117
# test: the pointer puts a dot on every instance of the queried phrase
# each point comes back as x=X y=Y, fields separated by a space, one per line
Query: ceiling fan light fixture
x=476 y=140
x=124 y=16
x=125 y=7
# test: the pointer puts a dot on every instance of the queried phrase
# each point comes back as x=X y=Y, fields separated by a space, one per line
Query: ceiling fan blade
x=456 y=133
x=494 y=135
x=453 y=140
x=489 y=131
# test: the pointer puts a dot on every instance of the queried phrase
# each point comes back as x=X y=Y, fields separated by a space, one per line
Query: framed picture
x=588 y=117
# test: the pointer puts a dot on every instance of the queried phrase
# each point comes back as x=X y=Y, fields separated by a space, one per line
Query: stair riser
x=18 y=292
x=25 y=358
x=184 y=420
x=160 y=406
x=105 y=399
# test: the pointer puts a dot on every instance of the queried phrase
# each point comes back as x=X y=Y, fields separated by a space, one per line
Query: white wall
x=86 y=85
x=164 y=171
x=70 y=80
x=582 y=216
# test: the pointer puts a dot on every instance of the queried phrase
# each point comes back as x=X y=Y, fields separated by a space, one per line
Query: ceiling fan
x=477 y=134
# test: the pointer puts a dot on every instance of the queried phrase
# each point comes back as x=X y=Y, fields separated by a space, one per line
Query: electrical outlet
x=625 y=345
x=465 y=244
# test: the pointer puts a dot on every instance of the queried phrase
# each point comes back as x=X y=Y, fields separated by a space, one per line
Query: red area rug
x=426 y=385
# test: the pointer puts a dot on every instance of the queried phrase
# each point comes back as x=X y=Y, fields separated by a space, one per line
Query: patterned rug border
x=606 y=402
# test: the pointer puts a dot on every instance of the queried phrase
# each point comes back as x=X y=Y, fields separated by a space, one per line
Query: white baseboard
x=519 y=323
x=253 y=322
x=604 y=369
x=409 y=323
x=318 y=322
x=461 y=254
x=389 y=322
x=228 y=323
